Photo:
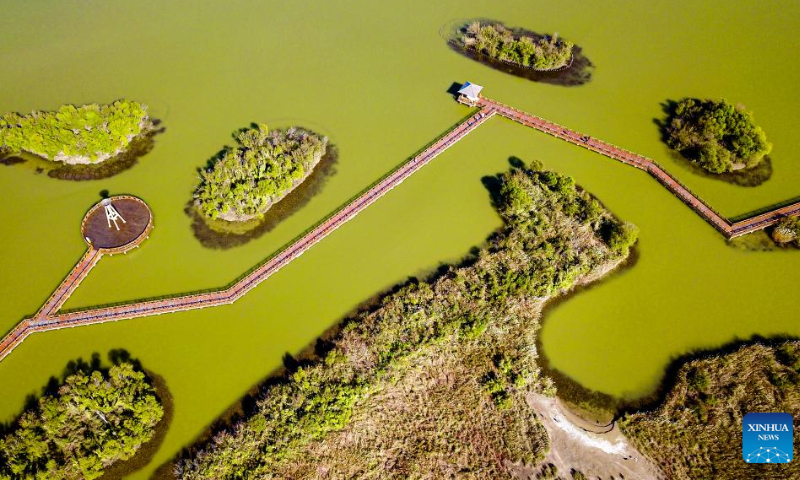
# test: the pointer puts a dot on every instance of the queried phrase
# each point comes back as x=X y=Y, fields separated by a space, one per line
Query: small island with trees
x=75 y=135
x=245 y=181
x=536 y=52
x=95 y=419
x=787 y=232
x=716 y=135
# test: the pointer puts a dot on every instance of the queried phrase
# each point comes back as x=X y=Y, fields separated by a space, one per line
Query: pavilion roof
x=471 y=90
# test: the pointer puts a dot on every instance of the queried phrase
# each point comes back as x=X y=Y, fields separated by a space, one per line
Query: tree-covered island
x=432 y=381
x=538 y=52
x=244 y=181
x=87 y=134
x=717 y=136
x=787 y=232
x=94 y=420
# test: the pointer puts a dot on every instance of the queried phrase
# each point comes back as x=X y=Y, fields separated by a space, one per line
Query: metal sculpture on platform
x=112 y=215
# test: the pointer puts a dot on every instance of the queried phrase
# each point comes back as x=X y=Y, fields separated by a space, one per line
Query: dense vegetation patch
x=431 y=382
x=697 y=431
x=787 y=232
x=246 y=180
x=718 y=136
x=94 y=420
x=531 y=51
x=85 y=134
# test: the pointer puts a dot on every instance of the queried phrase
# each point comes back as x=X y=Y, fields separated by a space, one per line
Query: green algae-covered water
x=373 y=77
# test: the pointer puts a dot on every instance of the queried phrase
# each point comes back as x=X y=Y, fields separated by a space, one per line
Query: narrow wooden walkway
x=48 y=318
x=69 y=284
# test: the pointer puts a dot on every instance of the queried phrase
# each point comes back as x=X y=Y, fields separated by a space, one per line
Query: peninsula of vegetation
x=243 y=182
x=717 y=136
x=94 y=420
x=697 y=431
x=537 y=52
x=88 y=134
x=432 y=381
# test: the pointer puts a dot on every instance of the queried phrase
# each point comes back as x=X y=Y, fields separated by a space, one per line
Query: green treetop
x=85 y=134
x=246 y=180
x=716 y=135
x=94 y=420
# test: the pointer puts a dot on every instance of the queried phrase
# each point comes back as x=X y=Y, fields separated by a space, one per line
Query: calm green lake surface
x=373 y=77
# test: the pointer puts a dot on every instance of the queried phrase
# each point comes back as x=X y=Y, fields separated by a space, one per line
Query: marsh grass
x=696 y=431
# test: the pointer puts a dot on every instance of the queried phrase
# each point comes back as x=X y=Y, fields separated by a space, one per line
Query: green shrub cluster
x=716 y=135
x=93 y=132
x=787 y=231
x=244 y=181
x=697 y=431
x=537 y=52
x=93 y=421
x=551 y=240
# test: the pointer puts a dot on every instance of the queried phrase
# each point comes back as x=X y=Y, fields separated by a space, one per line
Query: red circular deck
x=138 y=221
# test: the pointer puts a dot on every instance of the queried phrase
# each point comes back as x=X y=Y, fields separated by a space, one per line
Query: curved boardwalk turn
x=47 y=317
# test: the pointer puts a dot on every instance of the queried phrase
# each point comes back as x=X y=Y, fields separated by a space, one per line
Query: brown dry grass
x=696 y=433
x=435 y=419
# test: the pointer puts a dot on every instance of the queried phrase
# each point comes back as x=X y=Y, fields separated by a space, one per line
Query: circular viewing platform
x=117 y=224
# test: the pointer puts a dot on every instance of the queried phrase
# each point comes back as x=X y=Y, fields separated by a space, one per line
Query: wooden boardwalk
x=719 y=222
x=64 y=291
x=48 y=318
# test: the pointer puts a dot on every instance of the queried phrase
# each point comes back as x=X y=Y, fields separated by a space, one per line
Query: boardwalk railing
x=48 y=318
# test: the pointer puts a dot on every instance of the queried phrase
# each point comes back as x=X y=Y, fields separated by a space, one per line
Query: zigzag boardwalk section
x=641 y=162
x=53 y=303
x=46 y=320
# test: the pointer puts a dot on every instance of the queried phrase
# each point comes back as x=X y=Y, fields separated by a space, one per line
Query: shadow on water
x=8 y=161
x=750 y=177
x=285 y=208
x=579 y=72
x=117 y=356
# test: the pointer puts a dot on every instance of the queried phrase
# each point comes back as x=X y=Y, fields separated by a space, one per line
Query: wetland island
x=515 y=280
